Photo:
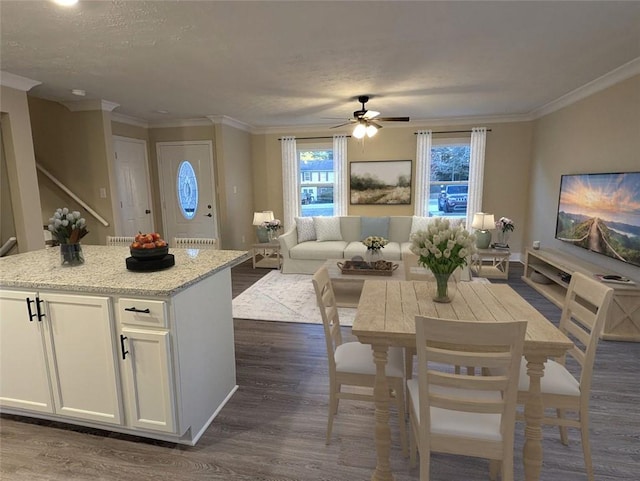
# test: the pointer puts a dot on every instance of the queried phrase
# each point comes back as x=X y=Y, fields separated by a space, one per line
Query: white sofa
x=306 y=257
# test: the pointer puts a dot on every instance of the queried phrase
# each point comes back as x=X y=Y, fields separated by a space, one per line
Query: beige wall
x=507 y=158
x=21 y=169
x=7 y=224
x=76 y=148
x=598 y=134
x=235 y=187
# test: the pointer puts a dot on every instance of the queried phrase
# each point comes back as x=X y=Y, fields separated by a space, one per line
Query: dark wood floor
x=274 y=426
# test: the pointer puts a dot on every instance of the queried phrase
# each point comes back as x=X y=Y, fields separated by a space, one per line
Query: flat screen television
x=601 y=213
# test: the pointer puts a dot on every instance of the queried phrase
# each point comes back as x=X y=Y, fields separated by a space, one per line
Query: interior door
x=187 y=189
x=132 y=176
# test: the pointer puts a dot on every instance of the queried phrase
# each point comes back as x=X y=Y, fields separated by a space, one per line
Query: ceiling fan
x=363 y=118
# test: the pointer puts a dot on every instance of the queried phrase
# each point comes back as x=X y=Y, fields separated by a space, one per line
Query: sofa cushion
x=419 y=223
x=374 y=226
x=390 y=252
x=306 y=229
x=319 y=250
x=327 y=229
x=350 y=228
x=399 y=228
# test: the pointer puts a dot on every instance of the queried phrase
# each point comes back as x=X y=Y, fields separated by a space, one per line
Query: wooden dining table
x=386 y=317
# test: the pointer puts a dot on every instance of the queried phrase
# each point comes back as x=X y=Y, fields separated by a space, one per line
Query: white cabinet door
x=82 y=360
x=24 y=382
x=148 y=374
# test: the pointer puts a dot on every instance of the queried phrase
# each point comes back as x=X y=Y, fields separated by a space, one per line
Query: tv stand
x=544 y=271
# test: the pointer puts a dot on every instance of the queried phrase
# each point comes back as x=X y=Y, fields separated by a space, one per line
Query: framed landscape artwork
x=383 y=182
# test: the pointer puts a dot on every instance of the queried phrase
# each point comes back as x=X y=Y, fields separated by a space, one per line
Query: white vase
x=373 y=256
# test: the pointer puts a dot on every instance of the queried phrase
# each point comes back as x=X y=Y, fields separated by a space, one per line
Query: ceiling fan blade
x=341 y=125
x=393 y=119
x=369 y=114
x=375 y=124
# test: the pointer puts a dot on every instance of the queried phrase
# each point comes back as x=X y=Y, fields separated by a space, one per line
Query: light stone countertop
x=105 y=272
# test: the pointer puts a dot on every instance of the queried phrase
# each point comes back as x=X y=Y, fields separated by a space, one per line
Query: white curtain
x=341 y=192
x=291 y=191
x=423 y=173
x=476 y=173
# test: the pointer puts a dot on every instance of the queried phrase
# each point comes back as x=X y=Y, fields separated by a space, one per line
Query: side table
x=270 y=253
x=491 y=263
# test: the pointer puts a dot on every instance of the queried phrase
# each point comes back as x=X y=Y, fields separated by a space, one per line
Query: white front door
x=187 y=189
x=134 y=196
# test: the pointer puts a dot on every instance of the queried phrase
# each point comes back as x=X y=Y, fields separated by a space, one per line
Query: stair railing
x=68 y=191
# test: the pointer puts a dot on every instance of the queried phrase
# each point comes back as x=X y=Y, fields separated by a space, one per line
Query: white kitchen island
x=144 y=353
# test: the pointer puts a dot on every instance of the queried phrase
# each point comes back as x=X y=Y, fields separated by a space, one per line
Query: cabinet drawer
x=142 y=312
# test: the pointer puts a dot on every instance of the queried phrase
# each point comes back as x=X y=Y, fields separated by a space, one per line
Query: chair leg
x=564 y=435
x=586 y=446
x=425 y=464
x=494 y=469
x=333 y=408
x=337 y=399
x=402 y=422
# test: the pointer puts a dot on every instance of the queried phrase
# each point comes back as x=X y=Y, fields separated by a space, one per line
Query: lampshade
x=264 y=216
x=372 y=130
x=360 y=131
x=483 y=221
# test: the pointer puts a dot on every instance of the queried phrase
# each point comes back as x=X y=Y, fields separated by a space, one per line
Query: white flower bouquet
x=272 y=225
x=505 y=224
x=375 y=242
x=443 y=248
x=67 y=227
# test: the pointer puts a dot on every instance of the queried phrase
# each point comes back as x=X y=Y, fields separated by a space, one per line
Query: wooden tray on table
x=359 y=268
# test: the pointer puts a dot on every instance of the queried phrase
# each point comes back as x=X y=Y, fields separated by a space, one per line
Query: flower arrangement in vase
x=374 y=243
x=505 y=227
x=67 y=228
x=272 y=227
x=442 y=248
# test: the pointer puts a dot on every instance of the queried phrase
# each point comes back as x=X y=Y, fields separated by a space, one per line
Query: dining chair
x=458 y=413
x=351 y=363
x=119 y=240
x=195 y=242
x=585 y=308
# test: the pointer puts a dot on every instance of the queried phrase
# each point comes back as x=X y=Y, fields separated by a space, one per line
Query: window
x=187 y=189
x=449 y=178
x=317 y=177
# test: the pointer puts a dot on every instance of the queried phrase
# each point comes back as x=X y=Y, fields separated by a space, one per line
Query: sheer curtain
x=476 y=173
x=423 y=173
x=341 y=192
x=291 y=191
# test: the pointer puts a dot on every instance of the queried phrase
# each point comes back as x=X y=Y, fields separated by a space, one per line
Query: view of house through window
x=315 y=166
x=449 y=179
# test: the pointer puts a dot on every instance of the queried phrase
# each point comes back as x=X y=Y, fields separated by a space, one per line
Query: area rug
x=285 y=298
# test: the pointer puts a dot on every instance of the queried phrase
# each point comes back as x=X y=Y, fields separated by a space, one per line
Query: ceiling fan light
x=372 y=130
x=360 y=131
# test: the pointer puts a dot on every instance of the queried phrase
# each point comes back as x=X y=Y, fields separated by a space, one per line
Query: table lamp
x=258 y=219
x=483 y=223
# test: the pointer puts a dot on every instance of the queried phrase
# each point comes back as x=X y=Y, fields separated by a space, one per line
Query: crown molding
x=230 y=121
x=17 y=82
x=617 y=75
x=127 y=119
x=95 y=104
x=162 y=124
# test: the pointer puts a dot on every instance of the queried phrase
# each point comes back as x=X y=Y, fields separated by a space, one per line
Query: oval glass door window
x=187 y=184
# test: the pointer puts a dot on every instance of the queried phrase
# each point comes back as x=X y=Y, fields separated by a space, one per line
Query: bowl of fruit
x=148 y=247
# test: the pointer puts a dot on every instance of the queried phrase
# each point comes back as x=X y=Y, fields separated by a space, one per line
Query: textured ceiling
x=274 y=64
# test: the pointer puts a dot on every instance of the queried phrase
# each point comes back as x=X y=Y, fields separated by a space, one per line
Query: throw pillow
x=374 y=226
x=306 y=229
x=327 y=228
x=419 y=223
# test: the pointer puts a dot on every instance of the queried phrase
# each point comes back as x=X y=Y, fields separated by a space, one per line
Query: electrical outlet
x=243 y=239
x=235 y=191
x=103 y=193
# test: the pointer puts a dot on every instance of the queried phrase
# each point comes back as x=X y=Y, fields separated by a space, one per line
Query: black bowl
x=149 y=254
